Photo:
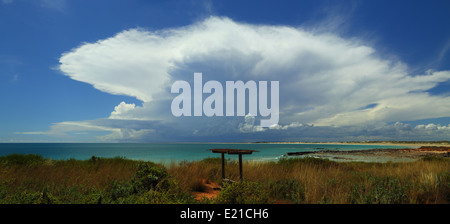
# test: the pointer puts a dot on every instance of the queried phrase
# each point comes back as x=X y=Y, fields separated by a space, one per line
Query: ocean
x=167 y=152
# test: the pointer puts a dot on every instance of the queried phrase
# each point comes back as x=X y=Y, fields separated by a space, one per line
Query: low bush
x=287 y=189
x=148 y=177
x=243 y=192
x=19 y=159
x=379 y=190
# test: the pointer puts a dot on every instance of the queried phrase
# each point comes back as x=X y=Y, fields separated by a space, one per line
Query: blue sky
x=89 y=71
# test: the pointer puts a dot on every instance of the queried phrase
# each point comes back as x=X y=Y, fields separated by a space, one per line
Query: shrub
x=19 y=159
x=357 y=194
x=386 y=190
x=150 y=185
x=287 y=189
x=25 y=197
x=117 y=190
x=3 y=192
x=242 y=193
x=148 y=176
x=379 y=190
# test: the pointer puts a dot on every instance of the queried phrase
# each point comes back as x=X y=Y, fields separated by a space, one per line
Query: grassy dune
x=33 y=179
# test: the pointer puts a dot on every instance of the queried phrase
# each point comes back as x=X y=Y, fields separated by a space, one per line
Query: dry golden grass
x=334 y=182
x=92 y=174
x=309 y=181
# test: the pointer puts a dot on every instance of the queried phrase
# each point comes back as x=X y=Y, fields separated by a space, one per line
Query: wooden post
x=240 y=166
x=223 y=165
x=233 y=152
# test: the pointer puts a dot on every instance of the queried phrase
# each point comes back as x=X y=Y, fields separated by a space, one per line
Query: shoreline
x=405 y=144
x=379 y=155
x=403 y=151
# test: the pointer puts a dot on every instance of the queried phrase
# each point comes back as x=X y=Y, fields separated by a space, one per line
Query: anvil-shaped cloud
x=326 y=81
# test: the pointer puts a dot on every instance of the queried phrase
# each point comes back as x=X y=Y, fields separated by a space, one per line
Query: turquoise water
x=166 y=152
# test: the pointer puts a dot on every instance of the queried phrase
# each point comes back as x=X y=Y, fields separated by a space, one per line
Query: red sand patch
x=434 y=149
x=430 y=149
x=211 y=190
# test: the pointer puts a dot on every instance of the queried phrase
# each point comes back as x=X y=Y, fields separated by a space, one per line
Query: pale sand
x=382 y=155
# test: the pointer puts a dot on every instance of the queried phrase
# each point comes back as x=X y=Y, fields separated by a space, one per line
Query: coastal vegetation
x=32 y=179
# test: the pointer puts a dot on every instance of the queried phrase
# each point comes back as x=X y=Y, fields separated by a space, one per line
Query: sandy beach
x=410 y=153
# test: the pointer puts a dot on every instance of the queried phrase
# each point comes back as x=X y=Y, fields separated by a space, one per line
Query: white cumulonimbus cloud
x=325 y=80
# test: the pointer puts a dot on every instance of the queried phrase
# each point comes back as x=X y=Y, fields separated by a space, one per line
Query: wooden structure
x=239 y=152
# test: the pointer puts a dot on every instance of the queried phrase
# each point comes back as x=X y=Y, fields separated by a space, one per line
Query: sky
x=102 y=70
